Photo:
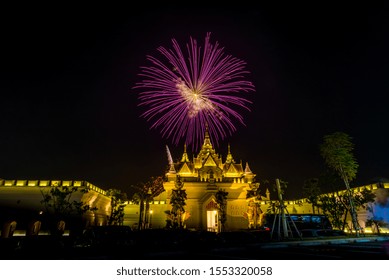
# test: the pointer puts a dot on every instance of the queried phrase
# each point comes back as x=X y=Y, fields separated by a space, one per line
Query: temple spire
x=207 y=139
x=185 y=157
x=247 y=169
x=229 y=155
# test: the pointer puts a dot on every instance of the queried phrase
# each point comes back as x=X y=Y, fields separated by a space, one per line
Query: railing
x=50 y=183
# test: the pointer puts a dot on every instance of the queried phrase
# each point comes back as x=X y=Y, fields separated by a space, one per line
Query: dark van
x=298 y=224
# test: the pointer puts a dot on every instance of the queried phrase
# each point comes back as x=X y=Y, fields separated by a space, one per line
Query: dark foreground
x=185 y=245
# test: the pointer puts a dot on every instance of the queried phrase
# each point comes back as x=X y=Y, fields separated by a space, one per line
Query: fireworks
x=184 y=97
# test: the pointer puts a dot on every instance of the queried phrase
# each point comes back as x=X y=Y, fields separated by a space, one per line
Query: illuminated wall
x=26 y=195
x=21 y=200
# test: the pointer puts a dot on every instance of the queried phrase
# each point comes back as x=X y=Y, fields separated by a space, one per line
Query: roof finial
x=184 y=155
x=207 y=140
x=247 y=169
x=229 y=159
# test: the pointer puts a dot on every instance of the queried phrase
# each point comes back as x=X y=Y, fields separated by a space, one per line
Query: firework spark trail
x=169 y=156
x=184 y=96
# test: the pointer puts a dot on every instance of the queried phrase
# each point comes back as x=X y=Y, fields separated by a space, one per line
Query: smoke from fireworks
x=184 y=97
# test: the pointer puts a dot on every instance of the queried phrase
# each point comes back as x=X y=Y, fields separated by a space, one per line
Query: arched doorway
x=212 y=216
x=34 y=228
x=8 y=229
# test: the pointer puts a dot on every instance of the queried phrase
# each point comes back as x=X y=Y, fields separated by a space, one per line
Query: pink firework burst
x=190 y=92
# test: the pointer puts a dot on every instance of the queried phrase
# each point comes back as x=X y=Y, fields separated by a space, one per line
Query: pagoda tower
x=201 y=176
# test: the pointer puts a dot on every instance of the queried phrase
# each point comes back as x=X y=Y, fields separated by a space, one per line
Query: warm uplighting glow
x=374 y=231
x=9 y=183
x=32 y=183
x=77 y=183
x=66 y=183
x=55 y=183
x=43 y=183
x=20 y=183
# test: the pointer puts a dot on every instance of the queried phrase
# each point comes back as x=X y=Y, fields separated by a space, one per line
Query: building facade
x=201 y=176
x=22 y=212
x=207 y=172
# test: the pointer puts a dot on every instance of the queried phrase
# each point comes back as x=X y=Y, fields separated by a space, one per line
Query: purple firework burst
x=194 y=91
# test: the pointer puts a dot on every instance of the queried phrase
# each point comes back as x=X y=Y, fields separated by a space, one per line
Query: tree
x=334 y=206
x=221 y=201
x=329 y=181
x=144 y=194
x=60 y=206
x=337 y=206
x=118 y=199
x=378 y=210
x=312 y=191
x=178 y=202
x=336 y=150
x=363 y=198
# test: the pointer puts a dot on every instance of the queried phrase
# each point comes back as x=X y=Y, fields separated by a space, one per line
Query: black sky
x=68 y=110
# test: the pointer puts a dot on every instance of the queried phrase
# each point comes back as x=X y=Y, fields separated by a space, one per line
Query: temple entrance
x=212 y=221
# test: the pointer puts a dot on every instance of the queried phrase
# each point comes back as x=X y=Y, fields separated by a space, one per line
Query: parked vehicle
x=320 y=233
x=296 y=223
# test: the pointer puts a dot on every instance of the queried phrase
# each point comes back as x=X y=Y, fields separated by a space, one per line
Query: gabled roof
x=247 y=170
x=207 y=159
x=185 y=169
x=233 y=170
x=210 y=161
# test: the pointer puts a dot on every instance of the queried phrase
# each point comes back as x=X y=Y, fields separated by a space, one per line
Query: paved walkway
x=322 y=241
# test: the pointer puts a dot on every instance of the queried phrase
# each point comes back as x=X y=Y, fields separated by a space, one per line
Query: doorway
x=212 y=221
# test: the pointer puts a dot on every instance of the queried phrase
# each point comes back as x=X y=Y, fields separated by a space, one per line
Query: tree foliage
x=311 y=191
x=178 y=202
x=337 y=151
x=60 y=205
x=336 y=205
x=378 y=209
x=118 y=200
x=143 y=194
x=221 y=201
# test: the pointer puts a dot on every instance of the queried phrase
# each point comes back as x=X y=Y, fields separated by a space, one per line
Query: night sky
x=68 y=110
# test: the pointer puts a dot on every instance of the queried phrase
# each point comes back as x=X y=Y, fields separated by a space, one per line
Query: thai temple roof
x=209 y=164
